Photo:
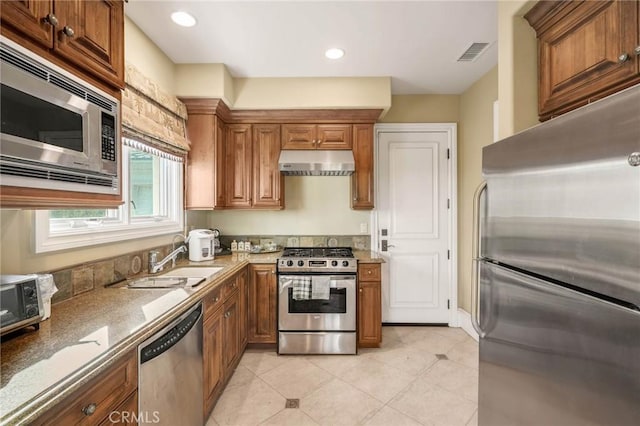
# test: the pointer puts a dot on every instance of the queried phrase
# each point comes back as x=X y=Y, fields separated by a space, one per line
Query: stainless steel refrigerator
x=556 y=289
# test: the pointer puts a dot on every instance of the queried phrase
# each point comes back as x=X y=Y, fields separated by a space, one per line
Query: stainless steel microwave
x=57 y=132
x=20 y=302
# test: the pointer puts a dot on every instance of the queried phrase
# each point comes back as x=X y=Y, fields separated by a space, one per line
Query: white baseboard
x=464 y=318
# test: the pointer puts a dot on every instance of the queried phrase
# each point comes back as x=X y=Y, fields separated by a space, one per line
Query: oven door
x=335 y=313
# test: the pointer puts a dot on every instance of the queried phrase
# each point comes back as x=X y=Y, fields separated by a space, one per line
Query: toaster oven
x=20 y=302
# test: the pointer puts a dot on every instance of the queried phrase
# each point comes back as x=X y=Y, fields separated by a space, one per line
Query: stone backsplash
x=74 y=280
x=78 y=279
x=357 y=242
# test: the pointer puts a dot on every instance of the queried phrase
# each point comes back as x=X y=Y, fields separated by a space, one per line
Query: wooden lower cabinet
x=112 y=396
x=369 y=305
x=224 y=335
x=262 y=304
x=213 y=346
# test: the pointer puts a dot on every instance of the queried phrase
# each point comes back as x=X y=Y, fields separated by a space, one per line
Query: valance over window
x=151 y=115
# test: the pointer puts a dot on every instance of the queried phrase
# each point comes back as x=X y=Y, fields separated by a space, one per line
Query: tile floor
x=405 y=382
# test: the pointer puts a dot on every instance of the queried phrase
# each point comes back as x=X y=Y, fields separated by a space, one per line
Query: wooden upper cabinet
x=316 y=136
x=204 y=174
x=87 y=35
x=362 y=178
x=587 y=50
x=91 y=35
x=32 y=19
x=334 y=136
x=268 y=182
x=238 y=168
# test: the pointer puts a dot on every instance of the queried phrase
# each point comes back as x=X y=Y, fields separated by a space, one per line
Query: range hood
x=316 y=163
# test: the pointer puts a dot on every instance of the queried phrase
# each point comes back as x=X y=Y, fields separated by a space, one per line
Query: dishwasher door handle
x=171 y=335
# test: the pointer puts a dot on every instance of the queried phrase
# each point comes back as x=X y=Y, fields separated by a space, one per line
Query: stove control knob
x=345 y=263
x=334 y=263
x=300 y=262
x=289 y=262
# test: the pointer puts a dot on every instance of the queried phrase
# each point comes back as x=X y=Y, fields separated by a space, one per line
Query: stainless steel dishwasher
x=170 y=373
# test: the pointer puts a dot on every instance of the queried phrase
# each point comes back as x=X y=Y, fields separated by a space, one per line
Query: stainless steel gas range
x=317 y=301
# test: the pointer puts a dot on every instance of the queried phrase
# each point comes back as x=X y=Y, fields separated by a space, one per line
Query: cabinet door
x=369 y=314
x=213 y=344
x=362 y=179
x=334 y=136
x=204 y=175
x=262 y=304
x=241 y=280
x=299 y=136
x=91 y=35
x=580 y=44
x=231 y=328
x=29 y=19
x=268 y=182
x=238 y=165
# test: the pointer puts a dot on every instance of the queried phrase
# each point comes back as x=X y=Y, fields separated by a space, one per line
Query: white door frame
x=451 y=130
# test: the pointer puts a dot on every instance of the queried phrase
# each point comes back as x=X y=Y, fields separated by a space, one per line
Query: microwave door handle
x=475 y=259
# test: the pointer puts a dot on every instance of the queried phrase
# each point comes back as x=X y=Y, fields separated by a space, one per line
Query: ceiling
x=416 y=43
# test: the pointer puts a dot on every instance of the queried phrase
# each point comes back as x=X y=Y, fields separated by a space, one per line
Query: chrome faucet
x=155 y=266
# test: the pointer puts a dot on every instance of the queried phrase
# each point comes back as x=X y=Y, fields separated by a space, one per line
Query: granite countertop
x=366 y=256
x=86 y=334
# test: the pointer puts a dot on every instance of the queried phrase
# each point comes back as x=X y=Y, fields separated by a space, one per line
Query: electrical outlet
x=364 y=228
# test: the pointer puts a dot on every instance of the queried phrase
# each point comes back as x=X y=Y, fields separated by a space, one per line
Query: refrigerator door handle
x=475 y=259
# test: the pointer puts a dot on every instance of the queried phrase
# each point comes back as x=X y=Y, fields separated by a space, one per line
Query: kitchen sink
x=175 y=278
x=192 y=272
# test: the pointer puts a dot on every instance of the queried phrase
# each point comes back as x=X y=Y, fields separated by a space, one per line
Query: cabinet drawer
x=212 y=301
x=369 y=272
x=92 y=403
x=229 y=286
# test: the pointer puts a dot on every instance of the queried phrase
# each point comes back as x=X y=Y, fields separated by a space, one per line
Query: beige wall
x=140 y=51
x=474 y=132
x=204 y=81
x=338 y=92
x=423 y=109
x=314 y=205
x=518 y=69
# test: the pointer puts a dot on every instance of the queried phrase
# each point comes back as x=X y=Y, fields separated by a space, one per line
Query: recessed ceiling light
x=334 y=53
x=183 y=19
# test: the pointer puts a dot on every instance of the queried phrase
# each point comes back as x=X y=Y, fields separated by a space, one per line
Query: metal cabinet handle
x=360 y=290
x=89 y=409
x=216 y=299
x=273 y=272
x=623 y=58
x=51 y=20
x=68 y=31
x=637 y=50
x=475 y=258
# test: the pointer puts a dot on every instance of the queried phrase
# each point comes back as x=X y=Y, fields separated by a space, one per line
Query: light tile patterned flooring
x=401 y=383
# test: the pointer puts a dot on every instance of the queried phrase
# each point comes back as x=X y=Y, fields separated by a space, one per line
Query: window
x=153 y=199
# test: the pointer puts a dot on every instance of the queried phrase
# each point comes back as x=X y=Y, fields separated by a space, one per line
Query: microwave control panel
x=108 y=137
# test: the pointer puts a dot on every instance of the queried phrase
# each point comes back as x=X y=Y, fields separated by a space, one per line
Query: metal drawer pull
x=51 y=20
x=89 y=409
x=68 y=31
x=623 y=58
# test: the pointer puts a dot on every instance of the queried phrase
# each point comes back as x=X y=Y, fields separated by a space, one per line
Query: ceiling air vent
x=473 y=52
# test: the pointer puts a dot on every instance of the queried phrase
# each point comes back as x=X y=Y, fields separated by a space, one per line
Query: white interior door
x=414 y=219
